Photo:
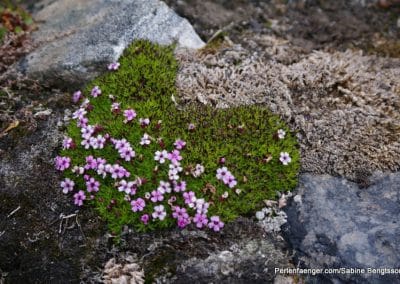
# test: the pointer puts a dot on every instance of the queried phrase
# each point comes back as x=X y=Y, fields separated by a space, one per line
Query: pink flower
x=180 y=213
x=174 y=156
x=92 y=185
x=183 y=222
x=191 y=127
x=79 y=114
x=67 y=185
x=190 y=198
x=200 y=220
x=118 y=171
x=230 y=181
x=222 y=172
x=179 y=144
x=161 y=156
x=180 y=186
x=127 y=187
x=145 y=218
x=76 y=96
x=91 y=163
x=127 y=153
x=156 y=196
x=62 y=163
x=159 y=212
x=113 y=66
x=95 y=92
x=285 y=158
x=145 y=140
x=138 y=205
x=202 y=206
x=164 y=187
x=115 y=107
x=144 y=122
x=129 y=114
x=67 y=143
x=79 y=197
x=215 y=223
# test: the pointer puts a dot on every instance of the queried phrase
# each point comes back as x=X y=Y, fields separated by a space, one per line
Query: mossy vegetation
x=13 y=18
x=245 y=136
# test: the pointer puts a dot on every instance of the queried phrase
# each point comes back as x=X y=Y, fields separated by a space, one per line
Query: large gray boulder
x=76 y=39
x=334 y=223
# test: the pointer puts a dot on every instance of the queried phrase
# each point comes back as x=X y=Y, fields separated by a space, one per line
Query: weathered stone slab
x=333 y=223
x=77 y=39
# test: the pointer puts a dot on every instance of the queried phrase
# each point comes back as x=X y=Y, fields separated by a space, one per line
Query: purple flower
x=164 y=187
x=127 y=153
x=62 y=163
x=230 y=180
x=199 y=169
x=145 y=140
x=95 y=92
x=76 y=96
x=183 y=222
x=281 y=134
x=200 y=220
x=91 y=163
x=79 y=197
x=190 y=198
x=180 y=186
x=79 y=113
x=161 y=156
x=156 y=196
x=191 y=126
x=92 y=185
x=138 y=205
x=67 y=143
x=159 y=212
x=113 y=66
x=115 y=107
x=180 y=213
x=285 y=158
x=179 y=144
x=215 y=223
x=87 y=131
x=202 y=206
x=222 y=172
x=82 y=122
x=118 y=171
x=127 y=187
x=144 y=122
x=129 y=114
x=145 y=218
x=120 y=144
x=174 y=156
x=67 y=185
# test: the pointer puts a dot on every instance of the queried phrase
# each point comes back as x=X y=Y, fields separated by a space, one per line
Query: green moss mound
x=245 y=136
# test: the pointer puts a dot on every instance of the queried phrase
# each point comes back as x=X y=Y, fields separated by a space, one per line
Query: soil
x=39 y=245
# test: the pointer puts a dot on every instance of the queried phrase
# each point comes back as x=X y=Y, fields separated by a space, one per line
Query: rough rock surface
x=337 y=224
x=77 y=39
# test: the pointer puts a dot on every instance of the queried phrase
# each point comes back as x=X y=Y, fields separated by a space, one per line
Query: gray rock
x=76 y=39
x=338 y=224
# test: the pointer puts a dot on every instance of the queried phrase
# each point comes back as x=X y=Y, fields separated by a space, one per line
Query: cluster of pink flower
x=195 y=210
x=226 y=176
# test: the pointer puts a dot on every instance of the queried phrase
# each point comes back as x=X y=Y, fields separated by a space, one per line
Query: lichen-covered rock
x=77 y=39
x=336 y=224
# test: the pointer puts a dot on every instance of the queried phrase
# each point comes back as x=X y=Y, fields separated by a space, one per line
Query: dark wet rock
x=77 y=39
x=335 y=223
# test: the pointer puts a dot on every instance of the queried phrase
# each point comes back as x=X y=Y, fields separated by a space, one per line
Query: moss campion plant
x=143 y=159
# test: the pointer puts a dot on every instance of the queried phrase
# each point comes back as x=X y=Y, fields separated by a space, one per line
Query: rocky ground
x=329 y=68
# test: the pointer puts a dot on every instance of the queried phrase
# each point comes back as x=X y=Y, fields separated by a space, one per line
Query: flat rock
x=337 y=224
x=77 y=39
